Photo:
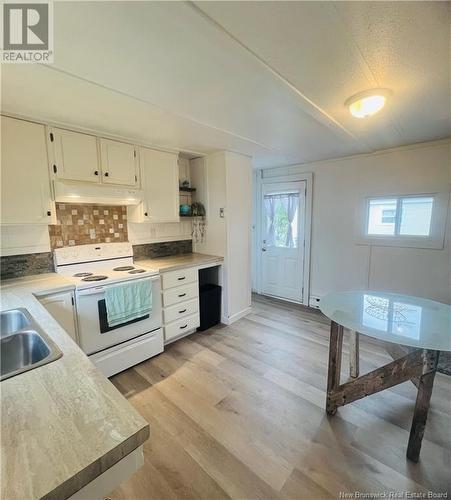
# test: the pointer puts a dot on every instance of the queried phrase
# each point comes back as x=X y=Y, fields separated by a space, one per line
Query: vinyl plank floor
x=239 y=412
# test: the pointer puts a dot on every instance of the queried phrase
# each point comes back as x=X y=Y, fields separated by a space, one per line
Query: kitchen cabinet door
x=119 y=163
x=25 y=186
x=61 y=307
x=160 y=174
x=75 y=157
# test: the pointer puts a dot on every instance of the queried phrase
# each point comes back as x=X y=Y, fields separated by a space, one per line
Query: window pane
x=416 y=216
x=381 y=216
x=282 y=220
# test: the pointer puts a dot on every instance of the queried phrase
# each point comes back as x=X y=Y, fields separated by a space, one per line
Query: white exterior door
x=76 y=156
x=119 y=163
x=283 y=238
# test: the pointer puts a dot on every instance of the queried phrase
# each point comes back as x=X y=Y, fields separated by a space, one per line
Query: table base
x=419 y=365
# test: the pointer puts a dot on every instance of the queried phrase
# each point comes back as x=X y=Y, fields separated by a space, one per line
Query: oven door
x=94 y=332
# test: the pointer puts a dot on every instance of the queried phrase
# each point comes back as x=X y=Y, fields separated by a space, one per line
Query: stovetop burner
x=123 y=268
x=82 y=275
x=137 y=271
x=95 y=278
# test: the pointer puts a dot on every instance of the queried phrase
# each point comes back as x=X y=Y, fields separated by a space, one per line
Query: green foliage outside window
x=280 y=225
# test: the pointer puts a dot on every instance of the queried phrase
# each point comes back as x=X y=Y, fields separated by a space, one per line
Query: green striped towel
x=127 y=301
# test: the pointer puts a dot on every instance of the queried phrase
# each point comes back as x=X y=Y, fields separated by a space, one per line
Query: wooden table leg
x=425 y=384
x=353 y=354
x=333 y=374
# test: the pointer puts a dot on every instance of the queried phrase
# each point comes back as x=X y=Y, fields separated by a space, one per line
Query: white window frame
x=436 y=237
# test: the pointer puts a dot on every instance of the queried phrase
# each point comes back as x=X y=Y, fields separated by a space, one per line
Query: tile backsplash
x=16 y=266
x=84 y=224
x=163 y=249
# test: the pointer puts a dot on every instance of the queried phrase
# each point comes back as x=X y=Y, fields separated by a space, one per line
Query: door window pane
x=416 y=216
x=281 y=212
x=382 y=216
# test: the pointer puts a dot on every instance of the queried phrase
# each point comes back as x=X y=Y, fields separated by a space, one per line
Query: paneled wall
x=338 y=260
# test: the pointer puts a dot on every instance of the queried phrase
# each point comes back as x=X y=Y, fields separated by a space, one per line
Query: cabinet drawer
x=180 y=294
x=180 y=310
x=181 y=325
x=177 y=278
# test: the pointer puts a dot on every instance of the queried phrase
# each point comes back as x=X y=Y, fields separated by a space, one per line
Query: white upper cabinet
x=25 y=187
x=160 y=182
x=119 y=163
x=75 y=156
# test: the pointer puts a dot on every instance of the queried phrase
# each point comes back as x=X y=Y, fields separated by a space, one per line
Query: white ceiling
x=267 y=79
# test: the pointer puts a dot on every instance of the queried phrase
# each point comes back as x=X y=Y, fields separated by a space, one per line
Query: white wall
x=213 y=171
x=239 y=220
x=156 y=233
x=338 y=260
x=25 y=239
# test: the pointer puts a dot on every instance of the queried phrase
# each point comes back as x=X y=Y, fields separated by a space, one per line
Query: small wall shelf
x=187 y=189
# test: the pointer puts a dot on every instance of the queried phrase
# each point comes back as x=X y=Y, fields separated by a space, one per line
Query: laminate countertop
x=62 y=424
x=181 y=261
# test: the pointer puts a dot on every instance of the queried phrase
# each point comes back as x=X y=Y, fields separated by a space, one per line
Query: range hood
x=96 y=194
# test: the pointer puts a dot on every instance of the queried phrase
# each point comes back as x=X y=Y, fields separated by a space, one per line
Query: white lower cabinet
x=181 y=326
x=102 y=485
x=180 y=293
x=61 y=307
x=178 y=311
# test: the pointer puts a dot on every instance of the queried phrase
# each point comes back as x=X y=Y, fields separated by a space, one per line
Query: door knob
x=263 y=249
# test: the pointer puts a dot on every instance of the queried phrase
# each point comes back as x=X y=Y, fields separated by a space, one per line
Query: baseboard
x=236 y=317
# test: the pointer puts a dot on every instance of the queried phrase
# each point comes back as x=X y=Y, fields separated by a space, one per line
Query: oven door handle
x=100 y=289
x=91 y=291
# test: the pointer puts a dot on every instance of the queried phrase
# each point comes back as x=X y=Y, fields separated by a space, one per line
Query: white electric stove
x=93 y=268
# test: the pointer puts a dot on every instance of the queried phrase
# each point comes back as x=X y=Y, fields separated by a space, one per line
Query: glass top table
x=391 y=317
x=421 y=324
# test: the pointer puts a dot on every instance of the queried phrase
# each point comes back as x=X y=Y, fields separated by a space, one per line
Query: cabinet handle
x=146 y=214
x=184 y=326
x=106 y=174
x=182 y=294
x=49 y=213
x=96 y=172
x=182 y=278
x=181 y=312
x=55 y=169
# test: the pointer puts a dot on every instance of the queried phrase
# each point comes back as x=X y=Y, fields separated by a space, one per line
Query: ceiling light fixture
x=367 y=103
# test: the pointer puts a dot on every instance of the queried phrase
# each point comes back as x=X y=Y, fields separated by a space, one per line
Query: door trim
x=308 y=178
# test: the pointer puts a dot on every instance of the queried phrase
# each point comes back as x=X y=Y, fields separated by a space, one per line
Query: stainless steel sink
x=13 y=321
x=23 y=344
